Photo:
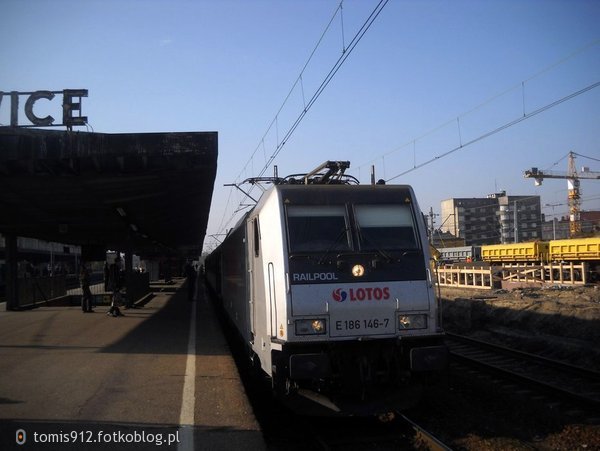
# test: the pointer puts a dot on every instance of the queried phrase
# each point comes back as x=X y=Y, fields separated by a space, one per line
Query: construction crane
x=573 y=181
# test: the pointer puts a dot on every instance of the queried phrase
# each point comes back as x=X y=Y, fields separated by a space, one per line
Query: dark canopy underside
x=149 y=192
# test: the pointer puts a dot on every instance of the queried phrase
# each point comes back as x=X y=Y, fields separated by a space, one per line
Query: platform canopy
x=146 y=192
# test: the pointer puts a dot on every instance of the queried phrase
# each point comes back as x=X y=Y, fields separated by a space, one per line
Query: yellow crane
x=573 y=182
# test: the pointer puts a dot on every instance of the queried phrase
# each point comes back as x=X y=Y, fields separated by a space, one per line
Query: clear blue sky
x=227 y=66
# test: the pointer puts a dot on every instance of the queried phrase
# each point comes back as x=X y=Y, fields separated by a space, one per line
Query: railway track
x=398 y=433
x=571 y=383
x=425 y=438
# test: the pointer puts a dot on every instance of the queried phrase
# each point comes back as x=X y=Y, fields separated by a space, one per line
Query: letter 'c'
x=40 y=121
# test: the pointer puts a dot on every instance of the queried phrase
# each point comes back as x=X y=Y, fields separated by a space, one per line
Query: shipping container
x=575 y=249
x=534 y=251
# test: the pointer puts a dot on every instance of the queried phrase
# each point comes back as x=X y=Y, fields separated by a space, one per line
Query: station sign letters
x=71 y=107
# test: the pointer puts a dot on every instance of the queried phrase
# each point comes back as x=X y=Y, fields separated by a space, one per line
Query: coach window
x=256 y=233
x=385 y=227
x=317 y=228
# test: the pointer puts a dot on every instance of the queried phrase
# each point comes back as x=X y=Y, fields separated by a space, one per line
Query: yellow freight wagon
x=575 y=249
x=534 y=251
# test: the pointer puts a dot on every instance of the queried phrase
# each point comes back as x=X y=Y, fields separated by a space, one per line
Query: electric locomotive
x=328 y=283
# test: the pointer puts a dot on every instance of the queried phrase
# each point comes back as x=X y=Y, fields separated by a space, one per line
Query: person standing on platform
x=86 y=296
x=191 y=275
x=106 y=274
x=114 y=284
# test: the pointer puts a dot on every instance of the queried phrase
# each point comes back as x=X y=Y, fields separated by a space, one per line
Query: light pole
x=553 y=219
x=516 y=212
x=516 y=228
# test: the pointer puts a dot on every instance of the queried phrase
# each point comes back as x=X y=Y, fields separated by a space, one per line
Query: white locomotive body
x=330 y=288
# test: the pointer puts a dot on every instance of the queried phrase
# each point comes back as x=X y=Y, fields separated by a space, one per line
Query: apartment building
x=497 y=218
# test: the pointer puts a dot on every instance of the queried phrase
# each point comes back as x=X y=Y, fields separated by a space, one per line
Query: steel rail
x=535 y=370
x=425 y=437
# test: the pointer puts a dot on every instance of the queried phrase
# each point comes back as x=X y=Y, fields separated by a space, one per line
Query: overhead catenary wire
x=456 y=120
x=583 y=199
x=499 y=129
x=307 y=105
x=294 y=85
x=261 y=144
x=336 y=67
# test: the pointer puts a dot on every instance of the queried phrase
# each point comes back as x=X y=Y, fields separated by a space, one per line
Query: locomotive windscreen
x=385 y=227
x=374 y=227
x=317 y=227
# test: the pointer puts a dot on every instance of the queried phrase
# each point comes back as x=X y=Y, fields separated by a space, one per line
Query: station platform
x=160 y=377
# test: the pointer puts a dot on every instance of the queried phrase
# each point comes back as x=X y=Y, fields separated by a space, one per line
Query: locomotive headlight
x=412 y=322
x=310 y=326
x=358 y=270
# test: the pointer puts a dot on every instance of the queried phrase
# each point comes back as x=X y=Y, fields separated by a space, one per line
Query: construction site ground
x=557 y=322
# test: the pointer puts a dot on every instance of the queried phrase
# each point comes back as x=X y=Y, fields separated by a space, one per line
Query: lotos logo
x=339 y=295
x=361 y=294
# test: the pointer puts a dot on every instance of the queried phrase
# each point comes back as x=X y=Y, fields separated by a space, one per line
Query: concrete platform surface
x=74 y=380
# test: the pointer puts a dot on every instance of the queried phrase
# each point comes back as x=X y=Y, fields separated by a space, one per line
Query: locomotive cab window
x=313 y=228
x=256 y=236
x=387 y=227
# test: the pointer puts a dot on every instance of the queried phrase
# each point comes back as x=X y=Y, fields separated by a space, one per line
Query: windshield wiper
x=374 y=246
x=411 y=252
x=334 y=244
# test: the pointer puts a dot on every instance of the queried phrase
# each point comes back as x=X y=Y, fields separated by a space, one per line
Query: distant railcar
x=329 y=288
x=460 y=254
x=575 y=250
x=534 y=251
x=582 y=249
